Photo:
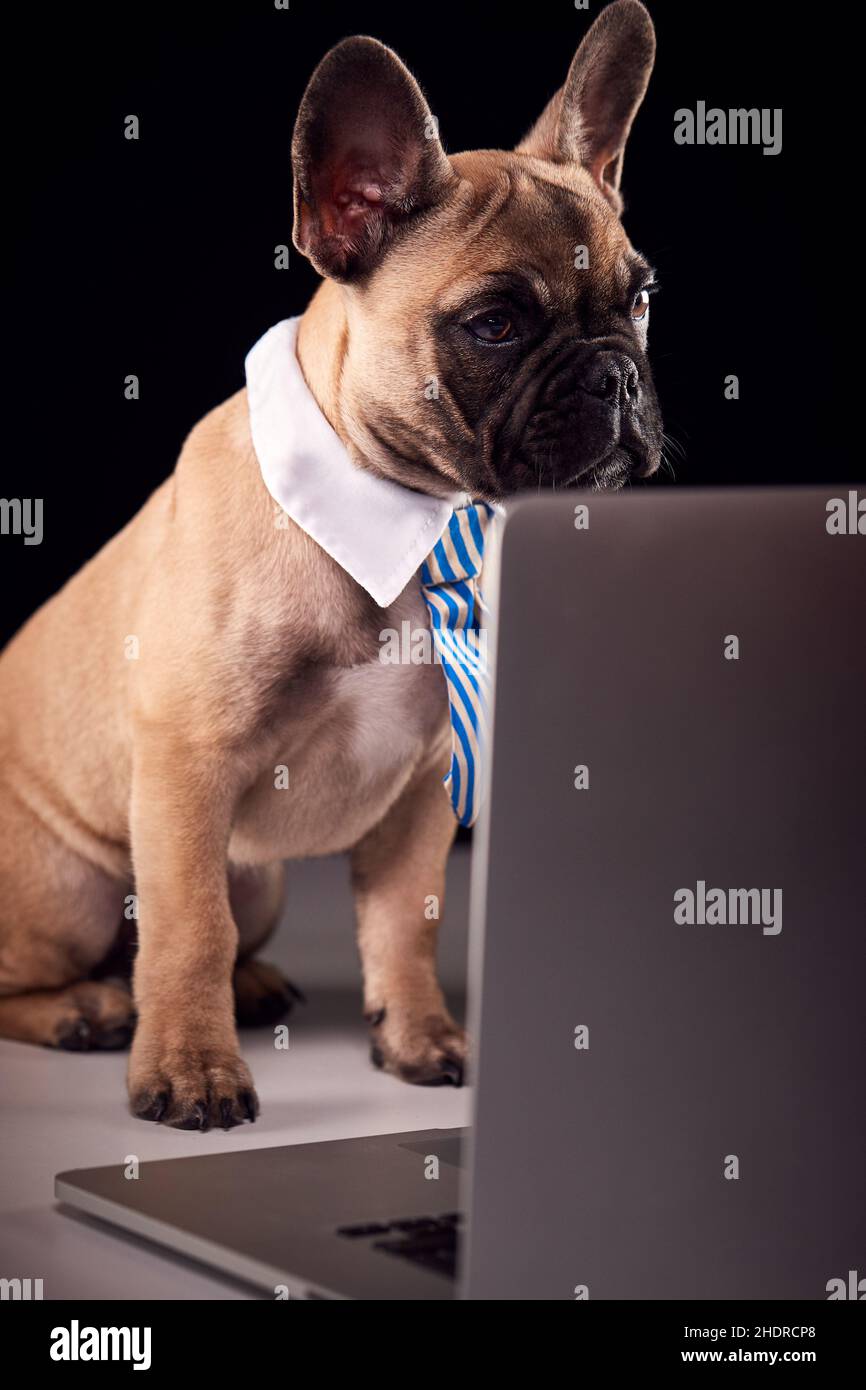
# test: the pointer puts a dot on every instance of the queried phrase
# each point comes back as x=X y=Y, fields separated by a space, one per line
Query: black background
x=156 y=257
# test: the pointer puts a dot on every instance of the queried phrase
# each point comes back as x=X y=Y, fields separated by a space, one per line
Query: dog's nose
x=612 y=376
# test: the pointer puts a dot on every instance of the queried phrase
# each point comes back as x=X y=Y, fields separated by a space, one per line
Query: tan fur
x=256 y=651
x=145 y=709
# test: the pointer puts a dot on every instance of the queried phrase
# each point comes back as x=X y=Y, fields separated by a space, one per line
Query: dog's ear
x=589 y=119
x=366 y=156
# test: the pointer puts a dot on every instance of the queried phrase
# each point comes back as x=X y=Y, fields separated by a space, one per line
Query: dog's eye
x=492 y=328
x=640 y=306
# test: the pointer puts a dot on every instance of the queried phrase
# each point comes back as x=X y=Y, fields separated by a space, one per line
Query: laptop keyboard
x=431 y=1241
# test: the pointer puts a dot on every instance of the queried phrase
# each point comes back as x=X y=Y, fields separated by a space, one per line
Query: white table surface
x=63 y=1110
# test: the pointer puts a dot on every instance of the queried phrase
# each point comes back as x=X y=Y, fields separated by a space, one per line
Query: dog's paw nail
x=227 y=1114
x=377 y=1057
x=375 y=1018
x=196 y=1118
x=146 y=1106
x=160 y=1105
x=76 y=1038
x=250 y=1103
x=294 y=993
x=452 y=1071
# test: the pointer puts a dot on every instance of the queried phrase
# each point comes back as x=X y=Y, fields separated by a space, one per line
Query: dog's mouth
x=614 y=471
x=617 y=468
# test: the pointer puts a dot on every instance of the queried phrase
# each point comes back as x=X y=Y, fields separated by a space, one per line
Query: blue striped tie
x=449 y=583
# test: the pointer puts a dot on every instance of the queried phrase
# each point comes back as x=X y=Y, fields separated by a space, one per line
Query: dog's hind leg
x=59 y=915
x=92 y=1015
x=262 y=994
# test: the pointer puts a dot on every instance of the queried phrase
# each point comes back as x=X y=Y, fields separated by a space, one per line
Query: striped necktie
x=449 y=583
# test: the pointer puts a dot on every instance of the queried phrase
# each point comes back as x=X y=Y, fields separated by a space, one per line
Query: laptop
x=667 y=939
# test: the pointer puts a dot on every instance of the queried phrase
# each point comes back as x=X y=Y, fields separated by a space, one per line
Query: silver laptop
x=668 y=945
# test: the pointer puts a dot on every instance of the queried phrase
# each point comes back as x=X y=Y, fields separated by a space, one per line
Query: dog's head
x=496 y=313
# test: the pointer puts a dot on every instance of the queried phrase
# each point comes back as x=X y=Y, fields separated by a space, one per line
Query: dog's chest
x=346 y=743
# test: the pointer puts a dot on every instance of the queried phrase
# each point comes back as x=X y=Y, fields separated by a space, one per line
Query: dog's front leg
x=398 y=877
x=185 y=1067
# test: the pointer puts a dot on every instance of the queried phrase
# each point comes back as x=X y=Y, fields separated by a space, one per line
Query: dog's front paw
x=426 y=1050
x=190 y=1087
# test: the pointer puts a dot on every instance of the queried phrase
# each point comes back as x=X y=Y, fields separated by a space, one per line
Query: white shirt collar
x=379 y=531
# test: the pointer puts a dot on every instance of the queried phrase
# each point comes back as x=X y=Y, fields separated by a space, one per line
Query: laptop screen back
x=670 y=1072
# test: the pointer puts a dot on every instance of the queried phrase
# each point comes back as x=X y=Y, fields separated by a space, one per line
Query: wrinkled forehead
x=514 y=214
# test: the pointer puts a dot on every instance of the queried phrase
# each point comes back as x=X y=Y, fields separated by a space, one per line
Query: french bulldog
x=506 y=278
